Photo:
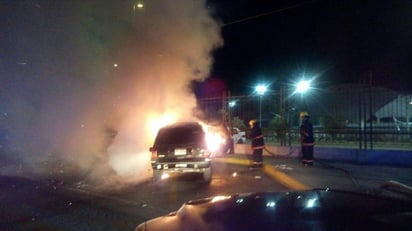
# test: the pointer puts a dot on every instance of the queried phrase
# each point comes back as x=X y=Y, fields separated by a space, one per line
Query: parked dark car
x=317 y=209
x=181 y=148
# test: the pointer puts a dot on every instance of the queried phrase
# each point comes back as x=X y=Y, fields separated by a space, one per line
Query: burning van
x=181 y=148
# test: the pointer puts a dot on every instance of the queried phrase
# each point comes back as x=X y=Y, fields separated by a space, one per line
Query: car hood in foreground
x=318 y=209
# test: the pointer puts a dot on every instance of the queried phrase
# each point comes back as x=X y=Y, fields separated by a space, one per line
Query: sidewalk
x=325 y=174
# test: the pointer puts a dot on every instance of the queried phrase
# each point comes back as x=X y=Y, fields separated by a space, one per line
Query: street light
x=260 y=89
x=302 y=86
x=138 y=5
x=232 y=103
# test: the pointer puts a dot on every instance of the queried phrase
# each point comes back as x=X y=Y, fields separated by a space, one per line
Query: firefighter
x=307 y=139
x=258 y=143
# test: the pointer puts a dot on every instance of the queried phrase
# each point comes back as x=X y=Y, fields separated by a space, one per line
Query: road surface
x=39 y=204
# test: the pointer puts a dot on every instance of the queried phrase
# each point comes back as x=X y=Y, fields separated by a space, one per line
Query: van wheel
x=157 y=175
x=207 y=175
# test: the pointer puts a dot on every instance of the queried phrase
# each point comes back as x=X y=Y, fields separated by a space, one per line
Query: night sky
x=333 y=41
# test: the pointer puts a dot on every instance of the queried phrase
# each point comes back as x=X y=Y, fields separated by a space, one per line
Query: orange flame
x=215 y=137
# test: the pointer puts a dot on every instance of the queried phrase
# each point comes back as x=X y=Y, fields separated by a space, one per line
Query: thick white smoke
x=89 y=77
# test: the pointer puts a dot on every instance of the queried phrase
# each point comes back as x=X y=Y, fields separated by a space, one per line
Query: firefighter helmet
x=304 y=114
x=252 y=122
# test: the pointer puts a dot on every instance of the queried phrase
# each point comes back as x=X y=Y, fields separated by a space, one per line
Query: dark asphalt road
x=328 y=174
x=28 y=204
x=38 y=204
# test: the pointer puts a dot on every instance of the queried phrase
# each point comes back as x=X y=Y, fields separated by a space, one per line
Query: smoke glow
x=99 y=79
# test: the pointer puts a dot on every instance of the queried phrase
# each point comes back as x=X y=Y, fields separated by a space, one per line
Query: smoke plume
x=84 y=81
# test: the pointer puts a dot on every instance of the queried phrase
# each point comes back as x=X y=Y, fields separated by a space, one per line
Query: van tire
x=207 y=175
x=157 y=175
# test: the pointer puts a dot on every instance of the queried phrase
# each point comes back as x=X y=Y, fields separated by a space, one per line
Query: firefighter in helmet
x=307 y=139
x=258 y=143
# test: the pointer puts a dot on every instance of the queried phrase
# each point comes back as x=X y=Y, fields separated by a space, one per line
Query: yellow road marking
x=277 y=175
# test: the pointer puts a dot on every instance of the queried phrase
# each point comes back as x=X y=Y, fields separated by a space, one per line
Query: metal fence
x=353 y=115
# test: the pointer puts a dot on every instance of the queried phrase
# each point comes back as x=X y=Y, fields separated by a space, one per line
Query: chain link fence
x=353 y=115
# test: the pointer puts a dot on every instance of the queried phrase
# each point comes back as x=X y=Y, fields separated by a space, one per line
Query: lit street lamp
x=232 y=103
x=302 y=86
x=138 y=5
x=260 y=89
